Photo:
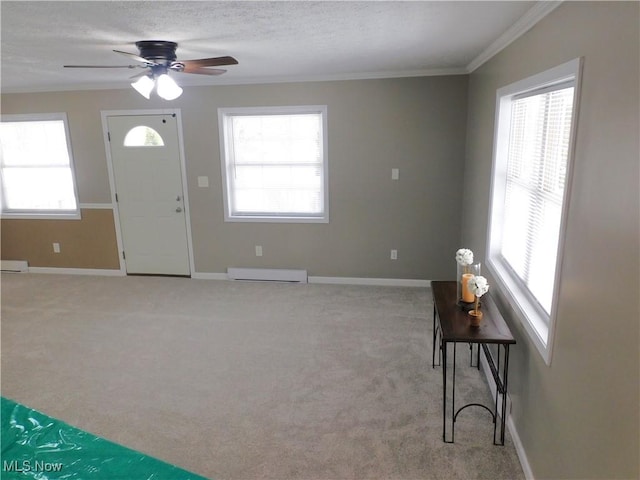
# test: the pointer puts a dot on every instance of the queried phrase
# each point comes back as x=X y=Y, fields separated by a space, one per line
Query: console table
x=451 y=325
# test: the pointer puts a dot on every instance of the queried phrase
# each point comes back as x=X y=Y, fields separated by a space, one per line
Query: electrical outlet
x=395 y=173
x=394 y=254
x=56 y=247
x=203 y=182
x=258 y=250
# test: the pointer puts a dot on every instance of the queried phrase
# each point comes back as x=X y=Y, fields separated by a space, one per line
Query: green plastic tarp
x=36 y=446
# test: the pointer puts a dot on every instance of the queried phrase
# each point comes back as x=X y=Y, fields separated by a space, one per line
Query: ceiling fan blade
x=201 y=70
x=133 y=56
x=138 y=75
x=211 y=62
x=103 y=66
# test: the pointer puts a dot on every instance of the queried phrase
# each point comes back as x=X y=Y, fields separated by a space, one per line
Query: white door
x=145 y=156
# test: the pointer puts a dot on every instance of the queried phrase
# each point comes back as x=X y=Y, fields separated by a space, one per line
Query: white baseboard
x=384 y=282
x=522 y=455
x=388 y=282
x=78 y=271
x=517 y=443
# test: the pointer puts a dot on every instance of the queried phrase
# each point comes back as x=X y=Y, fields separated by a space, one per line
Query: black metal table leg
x=453 y=395
x=444 y=391
x=496 y=376
x=505 y=374
x=433 y=357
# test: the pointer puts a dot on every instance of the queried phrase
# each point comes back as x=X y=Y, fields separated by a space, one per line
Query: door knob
x=179 y=209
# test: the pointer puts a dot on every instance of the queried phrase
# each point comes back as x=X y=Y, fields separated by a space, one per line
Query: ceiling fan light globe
x=167 y=88
x=144 y=86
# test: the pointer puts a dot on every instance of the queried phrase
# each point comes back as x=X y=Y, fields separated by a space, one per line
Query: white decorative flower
x=464 y=257
x=478 y=285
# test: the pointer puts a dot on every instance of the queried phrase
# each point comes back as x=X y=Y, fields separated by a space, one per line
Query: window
x=143 y=136
x=274 y=163
x=535 y=121
x=36 y=167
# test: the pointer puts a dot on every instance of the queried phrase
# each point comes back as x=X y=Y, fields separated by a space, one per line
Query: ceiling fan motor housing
x=158 y=51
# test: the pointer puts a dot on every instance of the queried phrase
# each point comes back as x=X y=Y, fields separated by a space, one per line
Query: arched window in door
x=143 y=136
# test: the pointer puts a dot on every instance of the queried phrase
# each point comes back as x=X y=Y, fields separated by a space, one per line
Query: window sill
x=267 y=219
x=41 y=216
x=527 y=311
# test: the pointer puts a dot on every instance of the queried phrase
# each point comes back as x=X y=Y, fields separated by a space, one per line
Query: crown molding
x=536 y=13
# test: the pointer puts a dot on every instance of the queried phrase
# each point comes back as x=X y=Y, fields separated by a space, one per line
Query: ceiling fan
x=158 y=57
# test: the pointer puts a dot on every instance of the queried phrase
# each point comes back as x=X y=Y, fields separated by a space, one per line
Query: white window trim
x=298 y=109
x=539 y=326
x=47 y=214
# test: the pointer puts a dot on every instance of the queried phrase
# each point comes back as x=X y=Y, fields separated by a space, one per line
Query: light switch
x=395 y=173
x=203 y=182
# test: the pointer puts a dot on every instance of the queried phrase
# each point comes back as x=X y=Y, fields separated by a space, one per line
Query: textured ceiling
x=273 y=41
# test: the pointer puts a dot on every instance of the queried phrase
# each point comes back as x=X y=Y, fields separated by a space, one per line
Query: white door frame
x=185 y=191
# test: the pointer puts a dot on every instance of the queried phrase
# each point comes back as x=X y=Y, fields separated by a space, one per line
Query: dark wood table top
x=456 y=323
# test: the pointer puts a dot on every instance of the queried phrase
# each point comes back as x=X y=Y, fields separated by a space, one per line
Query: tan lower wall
x=86 y=243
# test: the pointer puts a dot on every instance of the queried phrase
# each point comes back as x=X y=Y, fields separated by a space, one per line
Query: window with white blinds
x=531 y=171
x=36 y=167
x=536 y=172
x=274 y=164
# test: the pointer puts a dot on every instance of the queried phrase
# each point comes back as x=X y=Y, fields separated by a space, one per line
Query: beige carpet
x=240 y=380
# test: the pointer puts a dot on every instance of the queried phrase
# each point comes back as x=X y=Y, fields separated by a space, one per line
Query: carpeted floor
x=247 y=380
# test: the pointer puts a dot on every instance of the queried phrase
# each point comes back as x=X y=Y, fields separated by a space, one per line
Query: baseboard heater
x=15 y=266
x=267 y=274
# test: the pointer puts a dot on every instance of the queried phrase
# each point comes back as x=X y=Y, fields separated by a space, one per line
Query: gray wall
x=414 y=124
x=577 y=418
